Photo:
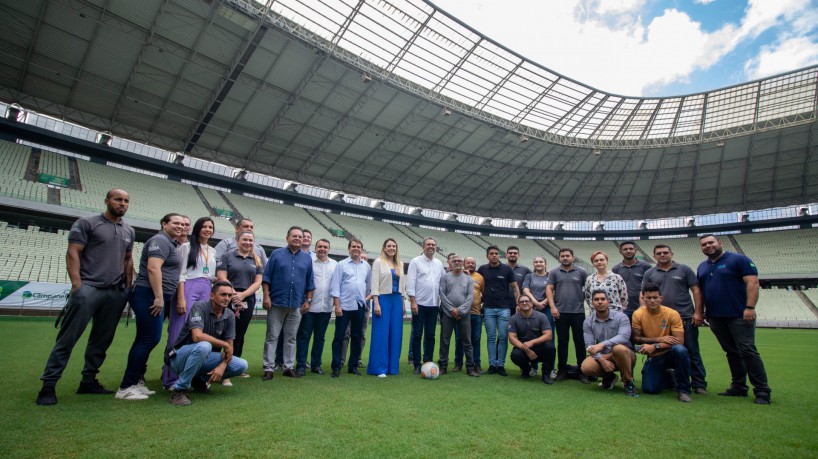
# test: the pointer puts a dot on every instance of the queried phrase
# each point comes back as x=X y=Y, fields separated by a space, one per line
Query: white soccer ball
x=429 y=370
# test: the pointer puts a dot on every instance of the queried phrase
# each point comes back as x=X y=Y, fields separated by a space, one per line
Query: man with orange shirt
x=660 y=332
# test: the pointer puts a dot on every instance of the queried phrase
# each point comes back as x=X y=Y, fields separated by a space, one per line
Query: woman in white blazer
x=388 y=287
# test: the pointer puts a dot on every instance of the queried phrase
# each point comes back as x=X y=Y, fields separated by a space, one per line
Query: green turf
x=364 y=416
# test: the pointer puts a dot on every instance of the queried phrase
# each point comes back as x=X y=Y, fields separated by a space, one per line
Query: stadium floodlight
x=337 y=197
x=597 y=152
x=720 y=143
x=447 y=112
x=241 y=175
x=522 y=225
x=803 y=211
x=599 y=226
x=485 y=222
x=743 y=217
x=379 y=205
x=366 y=78
x=290 y=187
x=559 y=226
x=416 y=211
x=14 y=112
x=642 y=225
x=523 y=138
x=104 y=138
x=691 y=222
x=451 y=217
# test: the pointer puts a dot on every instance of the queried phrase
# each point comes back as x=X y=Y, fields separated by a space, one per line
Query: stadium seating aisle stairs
x=812 y=307
x=736 y=244
x=237 y=216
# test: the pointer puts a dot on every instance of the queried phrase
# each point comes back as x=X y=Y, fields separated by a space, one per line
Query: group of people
x=208 y=295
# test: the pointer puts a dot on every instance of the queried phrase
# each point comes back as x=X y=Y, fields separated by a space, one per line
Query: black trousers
x=570 y=322
x=545 y=354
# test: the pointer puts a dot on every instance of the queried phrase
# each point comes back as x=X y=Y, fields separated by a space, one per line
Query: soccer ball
x=429 y=370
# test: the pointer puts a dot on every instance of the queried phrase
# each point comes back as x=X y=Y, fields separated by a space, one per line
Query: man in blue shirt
x=288 y=285
x=729 y=284
x=349 y=288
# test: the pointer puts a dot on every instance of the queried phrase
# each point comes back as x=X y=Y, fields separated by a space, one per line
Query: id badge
x=205 y=270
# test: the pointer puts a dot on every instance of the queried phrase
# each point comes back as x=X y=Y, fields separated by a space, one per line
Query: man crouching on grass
x=204 y=351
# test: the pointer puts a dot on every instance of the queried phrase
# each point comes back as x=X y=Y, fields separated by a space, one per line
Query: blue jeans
x=197 y=360
x=496 y=320
x=427 y=323
x=697 y=371
x=653 y=371
x=312 y=324
x=148 y=334
x=476 y=335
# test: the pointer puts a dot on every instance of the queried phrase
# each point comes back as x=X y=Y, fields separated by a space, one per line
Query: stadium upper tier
x=400 y=101
x=776 y=253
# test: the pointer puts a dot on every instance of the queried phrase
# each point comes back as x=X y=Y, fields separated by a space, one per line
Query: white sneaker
x=381 y=375
x=533 y=372
x=131 y=393
x=143 y=389
x=227 y=383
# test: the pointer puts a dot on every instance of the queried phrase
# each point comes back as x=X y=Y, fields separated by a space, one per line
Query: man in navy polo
x=729 y=284
x=676 y=283
x=288 y=285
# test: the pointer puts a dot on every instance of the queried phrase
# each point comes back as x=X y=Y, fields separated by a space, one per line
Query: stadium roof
x=397 y=100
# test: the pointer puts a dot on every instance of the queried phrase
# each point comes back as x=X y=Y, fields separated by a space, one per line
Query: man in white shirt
x=423 y=288
x=314 y=323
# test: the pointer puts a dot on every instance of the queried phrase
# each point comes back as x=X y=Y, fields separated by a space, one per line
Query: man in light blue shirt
x=423 y=288
x=348 y=288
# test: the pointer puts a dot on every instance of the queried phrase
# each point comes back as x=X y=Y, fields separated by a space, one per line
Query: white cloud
x=788 y=54
x=703 y=2
x=610 y=46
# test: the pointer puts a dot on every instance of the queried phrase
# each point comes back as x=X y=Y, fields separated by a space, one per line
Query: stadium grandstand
x=387 y=119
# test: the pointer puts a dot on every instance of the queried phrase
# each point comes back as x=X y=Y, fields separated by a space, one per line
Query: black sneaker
x=93 y=387
x=492 y=370
x=411 y=362
x=360 y=364
x=762 y=398
x=301 y=372
x=733 y=391
x=630 y=389
x=525 y=374
x=561 y=375
x=502 y=371
x=417 y=370
x=608 y=380
x=199 y=385
x=584 y=379
x=179 y=398
x=546 y=377
x=47 y=396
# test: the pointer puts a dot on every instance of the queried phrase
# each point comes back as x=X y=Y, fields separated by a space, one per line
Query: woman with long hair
x=155 y=285
x=534 y=286
x=388 y=287
x=611 y=283
x=194 y=283
x=242 y=268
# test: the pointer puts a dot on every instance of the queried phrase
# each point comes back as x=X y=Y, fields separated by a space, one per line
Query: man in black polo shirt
x=100 y=267
x=632 y=270
x=676 y=282
x=530 y=333
x=566 y=297
x=204 y=349
x=497 y=300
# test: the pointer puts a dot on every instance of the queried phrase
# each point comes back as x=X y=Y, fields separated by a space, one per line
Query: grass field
x=402 y=416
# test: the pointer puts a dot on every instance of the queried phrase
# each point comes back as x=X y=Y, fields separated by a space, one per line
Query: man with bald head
x=100 y=265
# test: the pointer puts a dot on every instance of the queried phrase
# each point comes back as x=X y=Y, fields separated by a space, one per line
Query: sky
x=651 y=47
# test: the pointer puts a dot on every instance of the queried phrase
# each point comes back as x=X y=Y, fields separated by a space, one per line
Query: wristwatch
x=657 y=346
